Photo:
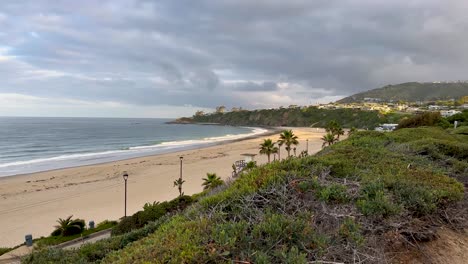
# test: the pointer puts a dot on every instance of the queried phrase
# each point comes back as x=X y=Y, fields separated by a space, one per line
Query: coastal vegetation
x=310 y=116
x=360 y=198
x=288 y=139
x=267 y=148
x=211 y=181
x=55 y=239
x=179 y=183
x=151 y=212
x=461 y=118
x=4 y=250
x=329 y=139
x=334 y=131
x=424 y=119
x=69 y=226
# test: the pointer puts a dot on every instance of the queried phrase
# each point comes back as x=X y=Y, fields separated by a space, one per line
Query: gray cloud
x=207 y=53
x=257 y=87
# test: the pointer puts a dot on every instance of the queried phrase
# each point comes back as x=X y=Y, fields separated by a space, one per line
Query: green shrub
x=334 y=193
x=58 y=239
x=293 y=255
x=412 y=134
x=416 y=198
x=94 y=252
x=151 y=212
x=460 y=117
x=425 y=119
x=309 y=184
x=106 y=224
x=69 y=226
x=437 y=148
x=351 y=231
x=462 y=130
x=377 y=204
x=56 y=232
x=76 y=227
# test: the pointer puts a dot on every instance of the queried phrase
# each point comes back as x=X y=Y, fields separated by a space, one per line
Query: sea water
x=33 y=144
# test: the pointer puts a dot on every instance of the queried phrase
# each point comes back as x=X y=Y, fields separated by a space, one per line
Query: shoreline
x=269 y=131
x=31 y=203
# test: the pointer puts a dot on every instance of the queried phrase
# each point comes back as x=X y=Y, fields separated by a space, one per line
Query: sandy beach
x=31 y=204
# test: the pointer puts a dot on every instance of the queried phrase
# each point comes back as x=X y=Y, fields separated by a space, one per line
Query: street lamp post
x=181 y=158
x=125 y=177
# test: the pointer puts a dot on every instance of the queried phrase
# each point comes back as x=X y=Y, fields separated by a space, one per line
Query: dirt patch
x=450 y=247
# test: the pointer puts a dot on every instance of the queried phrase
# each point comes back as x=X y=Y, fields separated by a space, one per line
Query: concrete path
x=15 y=255
x=77 y=243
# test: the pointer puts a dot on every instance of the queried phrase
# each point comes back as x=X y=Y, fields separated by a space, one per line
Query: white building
x=434 y=107
x=447 y=113
x=386 y=127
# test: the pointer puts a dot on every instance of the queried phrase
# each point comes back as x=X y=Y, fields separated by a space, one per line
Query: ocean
x=34 y=144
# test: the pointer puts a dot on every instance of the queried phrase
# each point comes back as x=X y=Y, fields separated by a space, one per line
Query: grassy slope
x=297 y=117
x=413 y=91
x=341 y=204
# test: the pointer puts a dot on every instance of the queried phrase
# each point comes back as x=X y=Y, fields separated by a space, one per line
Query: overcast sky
x=169 y=58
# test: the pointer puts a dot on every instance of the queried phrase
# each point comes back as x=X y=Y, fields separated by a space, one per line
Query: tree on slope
x=329 y=139
x=288 y=138
x=335 y=129
x=267 y=148
x=211 y=181
x=179 y=182
x=352 y=131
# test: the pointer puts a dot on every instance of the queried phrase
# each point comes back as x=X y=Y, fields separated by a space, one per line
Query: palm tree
x=332 y=126
x=328 y=139
x=69 y=226
x=268 y=148
x=338 y=132
x=280 y=144
x=288 y=138
x=352 y=131
x=211 y=181
x=179 y=183
x=335 y=129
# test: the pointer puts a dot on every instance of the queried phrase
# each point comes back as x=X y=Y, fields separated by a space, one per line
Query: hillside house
x=447 y=113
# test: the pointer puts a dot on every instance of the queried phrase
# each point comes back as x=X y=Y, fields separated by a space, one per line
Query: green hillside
x=413 y=91
x=372 y=196
x=298 y=117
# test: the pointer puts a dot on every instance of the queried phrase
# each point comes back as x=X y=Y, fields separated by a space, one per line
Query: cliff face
x=308 y=116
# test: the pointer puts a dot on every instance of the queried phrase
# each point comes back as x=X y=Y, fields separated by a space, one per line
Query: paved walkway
x=15 y=255
x=77 y=243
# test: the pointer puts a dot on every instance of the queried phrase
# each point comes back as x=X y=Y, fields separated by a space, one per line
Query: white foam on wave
x=255 y=131
x=64 y=161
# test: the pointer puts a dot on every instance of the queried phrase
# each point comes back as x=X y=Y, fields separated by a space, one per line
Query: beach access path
x=15 y=255
x=31 y=204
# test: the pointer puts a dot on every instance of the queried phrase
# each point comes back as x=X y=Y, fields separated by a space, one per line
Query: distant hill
x=413 y=91
x=295 y=117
